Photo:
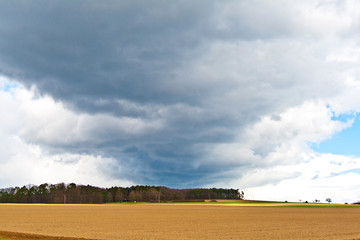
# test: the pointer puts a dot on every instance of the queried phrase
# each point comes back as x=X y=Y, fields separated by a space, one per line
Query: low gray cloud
x=166 y=77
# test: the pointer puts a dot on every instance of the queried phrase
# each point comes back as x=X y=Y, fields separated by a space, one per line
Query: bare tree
x=119 y=196
x=132 y=196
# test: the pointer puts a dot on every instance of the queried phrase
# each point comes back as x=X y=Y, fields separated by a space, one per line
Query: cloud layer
x=179 y=94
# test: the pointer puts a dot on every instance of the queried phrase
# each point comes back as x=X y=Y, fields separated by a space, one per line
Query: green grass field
x=255 y=203
x=321 y=205
x=245 y=203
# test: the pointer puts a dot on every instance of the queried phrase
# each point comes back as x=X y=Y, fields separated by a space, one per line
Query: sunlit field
x=257 y=220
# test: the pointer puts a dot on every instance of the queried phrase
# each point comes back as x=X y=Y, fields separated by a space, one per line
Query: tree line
x=72 y=193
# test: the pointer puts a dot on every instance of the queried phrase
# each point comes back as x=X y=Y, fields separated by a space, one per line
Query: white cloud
x=321 y=176
x=30 y=164
x=273 y=159
x=282 y=138
x=43 y=120
x=26 y=119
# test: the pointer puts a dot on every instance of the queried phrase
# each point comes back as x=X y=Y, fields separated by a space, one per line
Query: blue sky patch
x=343 y=117
x=9 y=86
x=356 y=170
x=346 y=142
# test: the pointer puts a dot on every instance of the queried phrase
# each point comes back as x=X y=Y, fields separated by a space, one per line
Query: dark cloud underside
x=196 y=72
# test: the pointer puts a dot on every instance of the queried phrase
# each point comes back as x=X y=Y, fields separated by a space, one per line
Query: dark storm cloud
x=81 y=51
x=192 y=66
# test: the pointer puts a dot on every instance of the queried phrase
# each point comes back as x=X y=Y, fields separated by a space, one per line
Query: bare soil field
x=172 y=221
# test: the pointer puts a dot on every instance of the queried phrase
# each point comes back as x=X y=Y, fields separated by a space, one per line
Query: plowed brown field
x=162 y=221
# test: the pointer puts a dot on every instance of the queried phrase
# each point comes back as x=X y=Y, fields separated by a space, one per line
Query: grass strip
x=323 y=205
x=275 y=204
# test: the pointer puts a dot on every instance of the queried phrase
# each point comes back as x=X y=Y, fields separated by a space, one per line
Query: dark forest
x=72 y=193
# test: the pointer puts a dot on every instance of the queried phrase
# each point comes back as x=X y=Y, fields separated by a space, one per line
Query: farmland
x=177 y=221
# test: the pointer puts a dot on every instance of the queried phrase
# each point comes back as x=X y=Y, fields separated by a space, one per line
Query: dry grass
x=167 y=221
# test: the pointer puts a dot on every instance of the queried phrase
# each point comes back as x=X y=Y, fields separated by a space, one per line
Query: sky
x=261 y=96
